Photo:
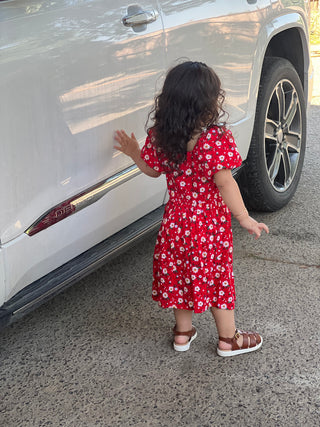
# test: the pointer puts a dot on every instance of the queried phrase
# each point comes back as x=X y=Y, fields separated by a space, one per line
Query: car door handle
x=140 y=17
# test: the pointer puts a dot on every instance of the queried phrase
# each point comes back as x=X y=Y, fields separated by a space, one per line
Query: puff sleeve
x=219 y=152
x=150 y=155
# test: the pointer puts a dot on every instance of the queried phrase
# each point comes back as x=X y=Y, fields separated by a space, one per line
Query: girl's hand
x=128 y=145
x=253 y=226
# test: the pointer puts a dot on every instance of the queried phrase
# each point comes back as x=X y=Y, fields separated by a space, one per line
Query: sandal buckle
x=237 y=335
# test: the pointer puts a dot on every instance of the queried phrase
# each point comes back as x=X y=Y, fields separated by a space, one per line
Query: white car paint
x=72 y=73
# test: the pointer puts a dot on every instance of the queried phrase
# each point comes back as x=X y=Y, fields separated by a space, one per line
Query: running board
x=60 y=279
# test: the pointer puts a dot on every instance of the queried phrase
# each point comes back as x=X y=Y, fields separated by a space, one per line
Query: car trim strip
x=82 y=200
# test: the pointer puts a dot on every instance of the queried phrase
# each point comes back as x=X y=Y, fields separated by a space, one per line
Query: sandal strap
x=254 y=338
x=188 y=333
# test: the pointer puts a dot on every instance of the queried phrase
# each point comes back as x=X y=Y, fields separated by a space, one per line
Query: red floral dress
x=192 y=268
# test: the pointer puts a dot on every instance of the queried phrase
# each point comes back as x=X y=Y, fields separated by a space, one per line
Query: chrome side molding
x=82 y=200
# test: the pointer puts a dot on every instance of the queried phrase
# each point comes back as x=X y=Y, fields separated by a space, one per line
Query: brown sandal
x=251 y=342
x=191 y=334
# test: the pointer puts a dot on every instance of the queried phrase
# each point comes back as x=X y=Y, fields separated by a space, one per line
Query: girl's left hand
x=253 y=226
x=128 y=145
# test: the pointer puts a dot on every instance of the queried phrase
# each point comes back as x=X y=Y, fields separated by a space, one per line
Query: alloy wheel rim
x=282 y=135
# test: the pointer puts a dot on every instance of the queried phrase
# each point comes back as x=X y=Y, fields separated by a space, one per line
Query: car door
x=72 y=72
x=222 y=34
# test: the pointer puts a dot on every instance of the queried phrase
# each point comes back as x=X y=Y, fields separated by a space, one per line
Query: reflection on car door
x=72 y=73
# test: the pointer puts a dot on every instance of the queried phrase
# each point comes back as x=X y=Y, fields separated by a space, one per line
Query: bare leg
x=184 y=324
x=225 y=325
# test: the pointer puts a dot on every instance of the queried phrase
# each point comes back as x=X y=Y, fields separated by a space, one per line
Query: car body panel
x=72 y=73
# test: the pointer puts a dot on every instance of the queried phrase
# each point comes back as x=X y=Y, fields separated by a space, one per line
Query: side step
x=60 y=279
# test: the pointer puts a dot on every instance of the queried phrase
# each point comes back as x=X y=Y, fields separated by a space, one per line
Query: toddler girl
x=192 y=269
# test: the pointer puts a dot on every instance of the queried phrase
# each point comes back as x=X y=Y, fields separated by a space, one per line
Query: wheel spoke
x=287 y=168
x=292 y=109
x=270 y=129
x=293 y=141
x=275 y=165
x=281 y=101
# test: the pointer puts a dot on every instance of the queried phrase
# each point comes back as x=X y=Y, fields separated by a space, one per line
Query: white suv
x=74 y=71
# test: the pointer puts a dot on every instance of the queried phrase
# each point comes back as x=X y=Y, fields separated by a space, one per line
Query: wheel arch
x=284 y=37
x=291 y=44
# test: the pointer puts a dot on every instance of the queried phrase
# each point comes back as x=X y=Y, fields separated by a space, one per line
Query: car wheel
x=276 y=153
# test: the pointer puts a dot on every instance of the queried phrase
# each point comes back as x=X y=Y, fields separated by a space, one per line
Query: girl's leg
x=226 y=326
x=183 y=323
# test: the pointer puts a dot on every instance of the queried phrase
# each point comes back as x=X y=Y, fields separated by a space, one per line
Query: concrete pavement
x=100 y=353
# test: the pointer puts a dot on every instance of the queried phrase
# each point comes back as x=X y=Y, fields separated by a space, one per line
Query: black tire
x=276 y=153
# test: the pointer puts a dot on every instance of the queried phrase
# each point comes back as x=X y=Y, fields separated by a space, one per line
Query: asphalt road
x=100 y=353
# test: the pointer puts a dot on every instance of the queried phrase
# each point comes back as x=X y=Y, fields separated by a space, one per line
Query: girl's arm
x=130 y=147
x=231 y=195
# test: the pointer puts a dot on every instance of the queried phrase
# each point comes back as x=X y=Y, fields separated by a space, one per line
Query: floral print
x=192 y=268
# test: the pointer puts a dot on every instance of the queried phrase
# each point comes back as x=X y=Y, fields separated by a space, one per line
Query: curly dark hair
x=191 y=99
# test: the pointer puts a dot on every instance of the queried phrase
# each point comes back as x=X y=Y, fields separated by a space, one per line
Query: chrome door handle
x=140 y=17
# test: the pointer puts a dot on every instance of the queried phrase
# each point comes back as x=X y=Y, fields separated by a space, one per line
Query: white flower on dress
x=221 y=158
x=226 y=244
x=188 y=172
x=163 y=256
x=181 y=292
x=171 y=288
x=206 y=146
x=225 y=283
x=204 y=254
x=154 y=293
x=221 y=293
x=197 y=289
x=165 y=295
x=165 y=271
x=196 y=258
x=182 y=184
x=190 y=304
x=195 y=269
x=222 y=229
x=223 y=306
x=203 y=239
x=219 y=167
x=187 y=280
x=208 y=156
x=200 y=303
x=218 y=143
x=193 y=277
x=230 y=299
x=223 y=219
x=179 y=261
x=180 y=300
